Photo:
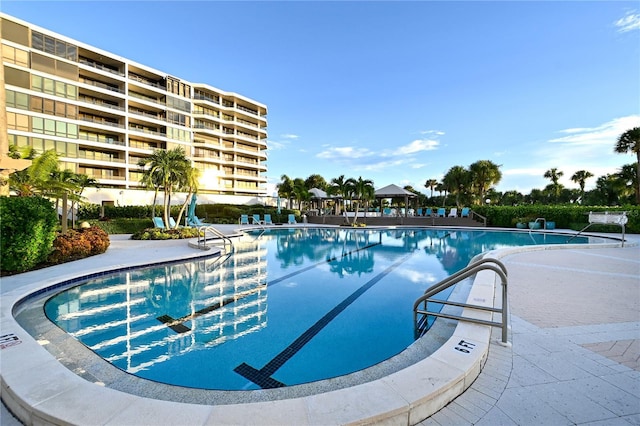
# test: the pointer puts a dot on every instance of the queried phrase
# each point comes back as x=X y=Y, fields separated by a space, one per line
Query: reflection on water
x=141 y=319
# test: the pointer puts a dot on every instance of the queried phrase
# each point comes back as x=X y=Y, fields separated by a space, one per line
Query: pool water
x=288 y=306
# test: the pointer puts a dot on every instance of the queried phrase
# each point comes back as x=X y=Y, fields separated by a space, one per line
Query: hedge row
x=566 y=217
x=28 y=228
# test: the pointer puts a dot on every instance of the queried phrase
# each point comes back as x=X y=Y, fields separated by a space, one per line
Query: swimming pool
x=289 y=306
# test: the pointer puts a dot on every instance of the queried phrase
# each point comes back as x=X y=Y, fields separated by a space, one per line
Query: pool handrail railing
x=420 y=325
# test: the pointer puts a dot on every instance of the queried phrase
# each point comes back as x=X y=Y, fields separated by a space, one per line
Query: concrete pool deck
x=574 y=358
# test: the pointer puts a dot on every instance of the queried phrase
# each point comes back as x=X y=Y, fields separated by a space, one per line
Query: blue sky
x=396 y=92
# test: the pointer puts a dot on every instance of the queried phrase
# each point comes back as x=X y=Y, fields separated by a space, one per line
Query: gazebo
x=318 y=195
x=394 y=191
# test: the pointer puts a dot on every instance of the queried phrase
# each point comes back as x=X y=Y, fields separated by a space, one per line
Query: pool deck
x=575 y=358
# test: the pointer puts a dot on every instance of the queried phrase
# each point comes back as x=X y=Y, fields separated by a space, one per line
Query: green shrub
x=28 y=228
x=122 y=226
x=165 y=234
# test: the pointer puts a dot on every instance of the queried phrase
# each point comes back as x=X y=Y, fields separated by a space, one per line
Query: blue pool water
x=289 y=306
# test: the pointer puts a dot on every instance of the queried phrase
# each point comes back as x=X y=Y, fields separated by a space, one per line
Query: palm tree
x=457 y=180
x=554 y=174
x=167 y=171
x=35 y=179
x=189 y=184
x=300 y=191
x=431 y=183
x=484 y=174
x=629 y=142
x=580 y=177
x=285 y=188
x=315 y=181
x=361 y=190
x=338 y=186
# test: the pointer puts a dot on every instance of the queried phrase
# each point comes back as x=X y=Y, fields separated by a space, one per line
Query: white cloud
x=605 y=134
x=289 y=136
x=431 y=132
x=344 y=152
x=630 y=22
x=417 y=146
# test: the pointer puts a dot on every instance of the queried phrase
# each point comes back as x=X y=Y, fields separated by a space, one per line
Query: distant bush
x=28 y=228
x=122 y=226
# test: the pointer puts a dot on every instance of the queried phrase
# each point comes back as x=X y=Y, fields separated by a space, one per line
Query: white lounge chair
x=453 y=212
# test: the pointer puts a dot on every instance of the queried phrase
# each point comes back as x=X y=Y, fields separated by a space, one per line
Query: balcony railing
x=146 y=81
x=102 y=121
x=101 y=85
x=146 y=98
x=102 y=67
x=100 y=102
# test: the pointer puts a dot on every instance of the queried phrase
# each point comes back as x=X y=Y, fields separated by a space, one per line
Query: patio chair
x=256 y=219
x=464 y=212
x=158 y=222
x=453 y=212
x=386 y=211
x=267 y=220
x=419 y=212
x=428 y=212
x=292 y=219
x=244 y=219
x=172 y=222
x=442 y=212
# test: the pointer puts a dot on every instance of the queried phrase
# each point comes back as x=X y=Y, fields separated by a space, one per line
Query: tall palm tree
x=338 y=186
x=629 y=142
x=167 y=170
x=484 y=174
x=189 y=184
x=35 y=179
x=554 y=174
x=361 y=190
x=431 y=183
x=285 y=188
x=300 y=191
x=580 y=177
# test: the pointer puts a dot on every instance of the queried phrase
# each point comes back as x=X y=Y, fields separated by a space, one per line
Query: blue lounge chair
x=292 y=219
x=172 y=222
x=256 y=219
x=419 y=212
x=267 y=220
x=244 y=219
x=386 y=211
x=429 y=213
x=464 y=212
x=158 y=222
x=442 y=212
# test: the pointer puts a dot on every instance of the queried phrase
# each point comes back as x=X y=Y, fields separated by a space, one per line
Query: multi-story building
x=103 y=114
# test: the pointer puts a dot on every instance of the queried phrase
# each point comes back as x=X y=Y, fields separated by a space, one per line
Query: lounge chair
x=267 y=220
x=442 y=212
x=428 y=213
x=256 y=219
x=464 y=212
x=292 y=219
x=386 y=211
x=172 y=222
x=419 y=212
x=158 y=222
x=453 y=212
x=244 y=219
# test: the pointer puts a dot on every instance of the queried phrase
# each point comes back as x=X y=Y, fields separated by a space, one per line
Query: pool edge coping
x=411 y=394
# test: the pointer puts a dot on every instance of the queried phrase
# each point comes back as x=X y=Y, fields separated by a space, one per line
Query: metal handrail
x=202 y=236
x=486 y=263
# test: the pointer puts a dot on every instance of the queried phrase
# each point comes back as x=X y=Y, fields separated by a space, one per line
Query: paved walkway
x=575 y=318
x=575 y=360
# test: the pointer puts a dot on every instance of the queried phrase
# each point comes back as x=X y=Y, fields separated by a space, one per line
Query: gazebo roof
x=393 y=191
x=318 y=193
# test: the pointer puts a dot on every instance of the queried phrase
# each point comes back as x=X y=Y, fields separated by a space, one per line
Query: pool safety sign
x=8 y=340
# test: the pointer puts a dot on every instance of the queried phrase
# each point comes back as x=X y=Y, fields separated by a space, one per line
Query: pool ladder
x=216 y=235
x=421 y=311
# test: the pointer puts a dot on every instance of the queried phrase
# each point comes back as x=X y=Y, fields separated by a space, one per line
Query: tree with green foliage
x=580 y=177
x=431 y=184
x=339 y=187
x=555 y=188
x=457 y=180
x=285 y=189
x=629 y=142
x=167 y=170
x=315 y=181
x=360 y=190
x=300 y=191
x=484 y=174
